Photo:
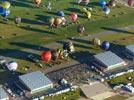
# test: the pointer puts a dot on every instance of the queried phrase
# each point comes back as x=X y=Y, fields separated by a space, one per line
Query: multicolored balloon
x=46 y=56
x=73 y=17
x=12 y=66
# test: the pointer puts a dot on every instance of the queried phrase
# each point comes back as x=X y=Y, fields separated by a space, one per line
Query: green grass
x=66 y=96
x=41 y=34
x=123 y=79
x=117 y=98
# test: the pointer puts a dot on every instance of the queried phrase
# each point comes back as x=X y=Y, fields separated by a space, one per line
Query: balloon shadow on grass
x=37 y=30
x=117 y=30
x=22 y=3
x=30 y=46
x=17 y=54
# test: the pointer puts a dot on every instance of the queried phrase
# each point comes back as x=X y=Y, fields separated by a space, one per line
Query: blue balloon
x=2 y=11
x=105 y=45
x=102 y=3
x=61 y=13
x=106 y=10
x=6 y=13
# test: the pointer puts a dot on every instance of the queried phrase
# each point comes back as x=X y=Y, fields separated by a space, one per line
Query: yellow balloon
x=6 y=5
x=88 y=14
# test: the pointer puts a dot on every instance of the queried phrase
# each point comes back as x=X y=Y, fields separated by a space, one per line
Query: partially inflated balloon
x=6 y=5
x=74 y=17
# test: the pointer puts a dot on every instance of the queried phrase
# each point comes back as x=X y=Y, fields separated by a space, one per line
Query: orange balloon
x=57 y=21
x=37 y=2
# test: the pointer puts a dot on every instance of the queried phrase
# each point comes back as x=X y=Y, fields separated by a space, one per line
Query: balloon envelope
x=57 y=21
x=96 y=41
x=130 y=2
x=50 y=20
x=102 y=3
x=80 y=29
x=6 y=5
x=74 y=17
x=105 y=45
x=46 y=56
x=6 y=13
x=2 y=11
x=37 y=2
x=17 y=20
x=12 y=66
x=106 y=10
x=61 y=13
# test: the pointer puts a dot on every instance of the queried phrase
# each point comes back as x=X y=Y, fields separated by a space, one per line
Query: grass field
x=39 y=33
x=67 y=96
x=117 y=98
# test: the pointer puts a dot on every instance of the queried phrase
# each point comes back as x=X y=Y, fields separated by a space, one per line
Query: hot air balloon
x=105 y=45
x=102 y=3
x=88 y=14
x=50 y=21
x=57 y=21
x=130 y=2
x=55 y=54
x=46 y=56
x=74 y=17
x=84 y=2
x=17 y=19
x=5 y=5
x=6 y=13
x=69 y=47
x=80 y=29
x=37 y=2
x=12 y=66
x=61 y=13
x=2 y=11
x=96 y=41
x=106 y=10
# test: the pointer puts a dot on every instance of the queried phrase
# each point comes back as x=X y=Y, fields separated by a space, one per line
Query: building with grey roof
x=3 y=94
x=109 y=60
x=130 y=50
x=36 y=82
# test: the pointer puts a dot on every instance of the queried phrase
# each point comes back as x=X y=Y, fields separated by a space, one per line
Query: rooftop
x=108 y=58
x=130 y=48
x=35 y=80
x=3 y=94
x=94 y=89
